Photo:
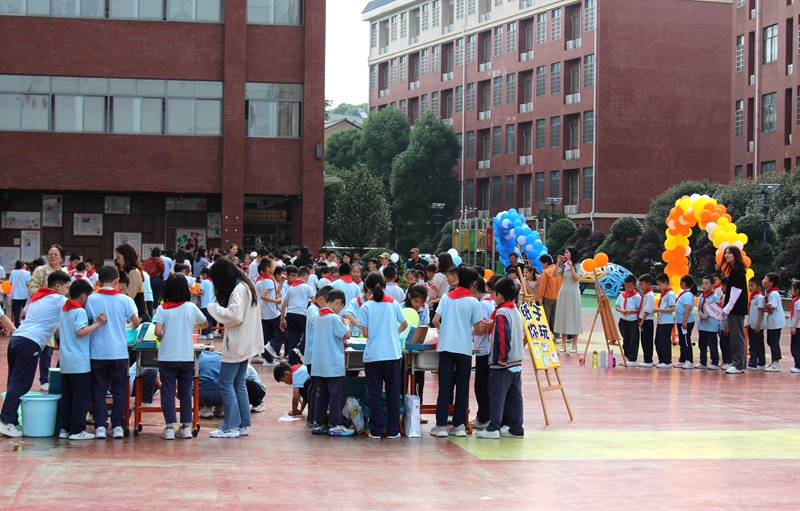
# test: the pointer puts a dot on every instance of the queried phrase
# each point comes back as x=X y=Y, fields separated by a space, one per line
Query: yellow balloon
x=743 y=238
x=749 y=274
x=732 y=237
x=730 y=228
x=722 y=221
x=682 y=241
x=670 y=244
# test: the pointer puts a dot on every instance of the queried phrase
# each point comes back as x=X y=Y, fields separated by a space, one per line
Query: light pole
x=765 y=189
x=553 y=202
x=437 y=207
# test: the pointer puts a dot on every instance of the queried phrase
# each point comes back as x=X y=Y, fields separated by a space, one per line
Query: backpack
x=151 y=267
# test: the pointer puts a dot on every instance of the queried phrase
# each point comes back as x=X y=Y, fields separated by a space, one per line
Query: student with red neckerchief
x=684 y=318
x=269 y=307
x=665 y=322
x=794 y=317
x=707 y=327
x=628 y=304
x=776 y=320
x=294 y=312
x=757 y=323
x=645 y=316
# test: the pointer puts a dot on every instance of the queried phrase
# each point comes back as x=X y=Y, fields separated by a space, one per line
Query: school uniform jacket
x=507 y=336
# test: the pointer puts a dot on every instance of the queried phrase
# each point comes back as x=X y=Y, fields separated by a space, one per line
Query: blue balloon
x=530 y=239
x=512 y=211
x=457 y=260
x=537 y=244
x=535 y=235
x=544 y=249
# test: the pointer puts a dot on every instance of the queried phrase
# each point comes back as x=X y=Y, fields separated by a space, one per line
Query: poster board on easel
x=543 y=352
x=610 y=330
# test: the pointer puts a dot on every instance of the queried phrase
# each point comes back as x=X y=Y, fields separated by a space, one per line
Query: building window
x=435 y=103
x=739 y=3
x=541 y=81
x=767 y=167
x=739 y=53
x=527 y=141
x=470 y=144
x=459 y=8
x=127 y=9
x=588 y=23
x=540 y=133
x=588 y=72
x=403 y=25
x=470 y=191
x=497 y=140
x=373 y=41
x=393 y=71
x=497 y=91
x=526 y=193
x=470 y=49
x=511 y=136
x=541 y=28
x=768 y=112
x=435 y=16
x=459 y=52
x=737 y=172
x=207 y=10
x=403 y=105
x=511 y=38
x=266 y=12
x=424 y=103
x=459 y=99
x=555 y=78
x=539 y=193
x=511 y=88
x=588 y=127
x=771 y=44
x=496 y=182
x=403 y=68
x=435 y=59
x=373 y=77
x=739 y=119
x=424 y=62
x=498 y=41
x=798 y=106
x=471 y=6
x=86 y=114
x=273 y=109
x=425 y=15
x=555 y=184
x=509 y=190
x=555 y=132
x=555 y=33
x=470 y=96
x=393 y=29
x=588 y=183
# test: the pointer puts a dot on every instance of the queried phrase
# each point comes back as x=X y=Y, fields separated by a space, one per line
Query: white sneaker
x=210 y=337
x=271 y=350
x=340 y=431
x=118 y=432
x=169 y=433
x=206 y=412
x=476 y=424
x=393 y=437
x=700 y=366
x=774 y=367
x=440 y=431
x=268 y=364
x=648 y=365
x=503 y=429
x=688 y=365
x=44 y=387
x=244 y=431
x=258 y=409
x=9 y=430
x=505 y=433
x=713 y=367
x=100 y=433
x=794 y=370
x=224 y=433
x=83 y=435
x=487 y=434
x=733 y=370
x=562 y=348
x=184 y=432
x=662 y=365
x=724 y=367
x=632 y=363
x=678 y=365
x=459 y=431
x=63 y=434
x=760 y=368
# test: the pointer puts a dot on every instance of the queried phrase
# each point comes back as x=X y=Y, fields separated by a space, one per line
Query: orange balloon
x=487 y=274
x=673 y=232
x=715 y=216
x=705 y=216
x=6 y=287
x=600 y=260
x=708 y=207
x=718 y=258
x=747 y=261
x=730 y=219
x=588 y=265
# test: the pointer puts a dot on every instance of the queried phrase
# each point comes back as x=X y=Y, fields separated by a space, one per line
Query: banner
x=21 y=220
x=118 y=206
x=134 y=238
x=52 y=209
x=31 y=245
x=87 y=224
x=214 y=226
x=8 y=257
x=194 y=236
x=537 y=334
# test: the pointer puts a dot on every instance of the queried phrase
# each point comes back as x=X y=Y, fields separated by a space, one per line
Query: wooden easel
x=610 y=331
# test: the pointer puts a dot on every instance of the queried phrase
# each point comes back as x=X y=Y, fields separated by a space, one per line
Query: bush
x=558 y=234
x=618 y=246
x=789 y=261
x=626 y=228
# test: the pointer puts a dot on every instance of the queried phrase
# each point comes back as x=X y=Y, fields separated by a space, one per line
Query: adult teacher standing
x=735 y=305
x=568 y=312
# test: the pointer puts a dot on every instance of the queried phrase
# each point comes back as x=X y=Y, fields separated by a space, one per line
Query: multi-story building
x=765 y=99
x=603 y=103
x=156 y=119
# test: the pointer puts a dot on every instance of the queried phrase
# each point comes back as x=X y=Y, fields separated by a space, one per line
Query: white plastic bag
x=352 y=410
x=411 y=417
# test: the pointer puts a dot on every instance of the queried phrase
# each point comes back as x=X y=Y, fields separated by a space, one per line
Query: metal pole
x=765 y=208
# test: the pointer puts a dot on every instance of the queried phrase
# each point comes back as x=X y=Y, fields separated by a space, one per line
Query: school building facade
x=602 y=103
x=765 y=102
x=161 y=121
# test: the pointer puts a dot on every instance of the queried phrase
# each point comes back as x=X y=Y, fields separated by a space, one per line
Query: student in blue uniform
x=684 y=318
x=28 y=342
x=776 y=320
x=394 y=291
x=379 y=319
x=707 y=327
x=175 y=320
x=665 y=322
x=345 y=283
x=794 y=317
x=75 y=361
x=109 y=350
x=646 y=316
x=481 y=343
x=457 y=317
x=416 y=299
x=293 y=311
x=314 y=307
x=628 y=304
x=268 y=306
x=206 y=297
x=757 y=322
x=296 y=376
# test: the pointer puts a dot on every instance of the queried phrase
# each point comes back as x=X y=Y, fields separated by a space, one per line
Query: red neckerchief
x=89 y=274
x=296 y=367
x=386 y=299
x=459 y=292
x=625 y=296
x=346 y=278
x=103 y=291
x=297 y=282
x=261 y=277
x=794 y=301
x=749 y=300
x=77 y=275
x=316 y=304
x=357 y=281
x=70 y=305
x=360 y=301
x=206 y=278
x=505 y=305
x=770 y=290
x=41 y=293
x=703 y=297
x=679 y=296
x=718 y=286
x=325 y=311
x=641 y=304
x=325 y=277
x=171 y=305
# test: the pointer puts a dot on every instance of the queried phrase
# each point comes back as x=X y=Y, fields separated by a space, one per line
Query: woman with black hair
x=199 y=262
x=304 y=259
x=568 y=313
x=128 y=261
x=236 y=308
x=438 y=285
x=735 y=305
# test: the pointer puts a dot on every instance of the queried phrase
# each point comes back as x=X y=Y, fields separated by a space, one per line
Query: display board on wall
x=134 y=238
x=214 y=225
x=147 y=249
x=186 y=204
x=30 y=245
x=194 y=236
x=118 y=206
x=8 y=257
x=88 y=224
x=21 y=220
x=52 y=210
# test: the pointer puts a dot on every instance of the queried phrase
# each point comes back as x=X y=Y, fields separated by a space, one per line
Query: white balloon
x=694 y=197
x=394 y=258
x=453 y=252
x=724 y=245
x=710 y=228
x=671 y=224
x=738 y=244
x=688 y=251
x=505 y=223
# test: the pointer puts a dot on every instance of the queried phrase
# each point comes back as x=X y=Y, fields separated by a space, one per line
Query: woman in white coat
x=236 y=308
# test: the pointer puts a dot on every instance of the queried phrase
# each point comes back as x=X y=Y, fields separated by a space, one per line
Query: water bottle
x=603 y=358
x=611 y=359
x=581 y=361
x=594 y=360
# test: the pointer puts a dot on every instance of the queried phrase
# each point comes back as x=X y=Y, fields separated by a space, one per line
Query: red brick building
x=604 y=103
x=150 y=116
x=765 y=102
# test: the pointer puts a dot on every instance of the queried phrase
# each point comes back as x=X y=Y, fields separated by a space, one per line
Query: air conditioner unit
x=413 y=40
x=525 y=211
x=571 y=209
x=571 y=45
x=413 y=85
x=523 y=108
x=790 y=138
x=576 y=98
x=483 y=213
x=752 y=14
x=752 y=79
x=480 y=165
x=385 y=49
x=486 y=66
x=524 y=4
x=578 y=42
x=447 y=29
x=485 y=17
x=383 y=93
x=444 y=77
x=482 y=116
x=789 y=69
x=449 y=121
x=526 y=159
x=568 y=99
x=751 y=146
x=487 y=164
x=522 y=160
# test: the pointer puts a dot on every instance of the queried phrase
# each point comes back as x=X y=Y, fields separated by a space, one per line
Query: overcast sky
x=346 y=41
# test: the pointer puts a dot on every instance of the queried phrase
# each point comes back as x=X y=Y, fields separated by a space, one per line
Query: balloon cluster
x=590 y=265
x=704 y=211
x=454 y=254
x=512 y=234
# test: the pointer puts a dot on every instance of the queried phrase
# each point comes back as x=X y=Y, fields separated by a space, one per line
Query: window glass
x=9 y=83
x=123 y=9
x=92 y=8
x=151 y=9
x=38 y=7
x=35 y=84
x=181 y=10
x=180 y=116
x=180 y=89
x=273 y=91
x=127 y=115
x=66 y=8
x=65 y=85
x=94 y=114
x=35 y=113
x=12 y=7
x=208 y=89
x=9 y=111
x=208 y=117
x=123 y=88
x=280 y=12
x=93 y=86
x=153 y=88
x=69 y=113
x=209 y=10
x=152 y=115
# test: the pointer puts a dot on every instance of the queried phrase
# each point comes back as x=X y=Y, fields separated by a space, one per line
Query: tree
x=789 y=261
x=328 y=105
x=646 y=252
x=445 y=236
x=348 y=109
x=660 y=206
x=341 y=148
x=761 y=255
x=558 y=234
x=545 y=213
x=737 y=197
x=330 y=192
x=585 y=241
x=384 y=135
x=618 y=246
x=361 y=210
x=423 y=174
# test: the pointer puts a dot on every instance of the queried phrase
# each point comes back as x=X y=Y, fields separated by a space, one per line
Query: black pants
x=156 y=284
x=505 y=397
x=795 y=348
x=379 y=374
x=630 y=339
x=758 y=352
x=148 y=385
x=182 y=374
x=211 y=323
x=774 y=342
x=725 y=347
x=481 y=387
x=45 y=360
x=76 y=395
x=23 y=356
x=648 y=329
x=310 y=397
x=269 y=329
x=330 y=393
x=454 y=368
x=111 y=374
x=16 y=311
x=296 y=328
x=664 y=343
x=707 y=342
x=685 y=341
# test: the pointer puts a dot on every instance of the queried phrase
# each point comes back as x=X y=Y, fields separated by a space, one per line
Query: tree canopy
x=361 y=212
x=341 y=148
x=384 y=135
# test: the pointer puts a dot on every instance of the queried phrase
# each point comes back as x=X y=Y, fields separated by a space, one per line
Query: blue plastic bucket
x=19 y=409
x=39 y=415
